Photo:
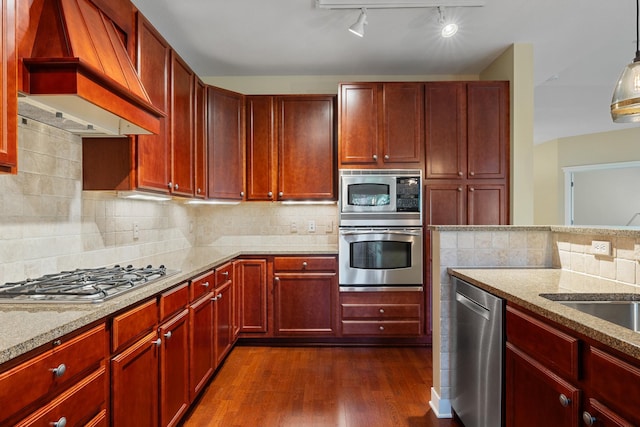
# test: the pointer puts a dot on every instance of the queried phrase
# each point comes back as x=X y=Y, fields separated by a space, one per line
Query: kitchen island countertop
x=27 y=326
x=525 y=286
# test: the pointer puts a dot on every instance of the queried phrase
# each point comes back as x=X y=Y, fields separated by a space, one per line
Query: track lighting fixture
x=449 y=29
x=625 y=104
x=358 y=27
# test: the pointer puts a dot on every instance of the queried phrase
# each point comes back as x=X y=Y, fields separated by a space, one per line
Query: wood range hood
x=76 y=73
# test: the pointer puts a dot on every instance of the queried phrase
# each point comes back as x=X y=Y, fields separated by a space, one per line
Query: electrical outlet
x=600 y=247
x=330 y=227
x=311 y=226
x=293 y=227
x=136 y=231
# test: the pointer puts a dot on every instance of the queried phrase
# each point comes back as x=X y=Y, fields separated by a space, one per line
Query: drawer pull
x=157 y=342
x=588 y=418
x=60 y=423
x=225 y=273
x=382 y=328
x=564 y=400
x=304 y=264
x=382 y=311
x=205 y=284
x=59 y=371
x=57 y=343
x=167 y=335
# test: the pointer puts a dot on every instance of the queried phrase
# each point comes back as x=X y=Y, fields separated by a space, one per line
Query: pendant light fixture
x=358 y=27
x=625 y=104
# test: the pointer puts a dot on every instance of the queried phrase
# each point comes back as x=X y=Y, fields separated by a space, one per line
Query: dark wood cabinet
x=8 y=84
x=200 y=139
x=225 y=139
x=451 y=203
x=305 y=296
x=201 y=334
x=291 y=149
x=381 y=125
x=251 y=277
x=182 y=127
x=223 y=311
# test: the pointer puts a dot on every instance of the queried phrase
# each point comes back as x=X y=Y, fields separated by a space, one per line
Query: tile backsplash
x=48 y=224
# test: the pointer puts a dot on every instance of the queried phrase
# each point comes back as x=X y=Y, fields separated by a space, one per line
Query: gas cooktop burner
x=86 y=285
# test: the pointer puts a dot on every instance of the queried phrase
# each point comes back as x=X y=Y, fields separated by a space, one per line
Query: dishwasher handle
x=473 y=306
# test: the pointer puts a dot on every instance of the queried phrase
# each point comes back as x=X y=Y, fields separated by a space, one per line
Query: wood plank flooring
x=318 y=387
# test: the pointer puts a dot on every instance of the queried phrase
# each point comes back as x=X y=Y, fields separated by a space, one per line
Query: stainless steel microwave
x=369 y=197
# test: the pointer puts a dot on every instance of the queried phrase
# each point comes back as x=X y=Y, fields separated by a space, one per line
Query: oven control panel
x=408 y=194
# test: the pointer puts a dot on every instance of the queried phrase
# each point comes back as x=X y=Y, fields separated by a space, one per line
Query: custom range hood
x=76 y=73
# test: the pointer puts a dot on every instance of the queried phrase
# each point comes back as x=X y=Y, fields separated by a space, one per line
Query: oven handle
x=395 y=232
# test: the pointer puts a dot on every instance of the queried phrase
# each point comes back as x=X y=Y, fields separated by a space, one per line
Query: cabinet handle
x=386 y=157
x=472 y=173
x=157 y=342
x=214 y=298
x=60 y=423
x=472 y=189
x=460 y=173
x=170 y=184
x=375 y=157
x=381 y=328
x=460 y=189
x=564 y=400
x=382 y=311
x=225 y=274
x=199 y=191
x=588 y=419
x=242 y=194
x=219 y=296
x=168 y=335
x=276 y=279
x=176 y=186
x=205 y=284
x=57 y=343
x=59 y=371
x=280 y=194
x=304 y=265
x=270 y=194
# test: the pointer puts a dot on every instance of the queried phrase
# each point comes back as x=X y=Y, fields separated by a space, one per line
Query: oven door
x=374 y=259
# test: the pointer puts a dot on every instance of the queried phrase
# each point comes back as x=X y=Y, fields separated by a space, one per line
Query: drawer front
x=302 y=264
x=36 y=378
x=202 y=285
x=174 y=300
x=133 y=324
x=381 y=328
x=224 y=273
x=553 y=348
x=381 y=311
x=78 y=405
x=615 y=382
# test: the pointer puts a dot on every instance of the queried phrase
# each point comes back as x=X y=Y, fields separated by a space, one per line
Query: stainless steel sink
x=623 y=311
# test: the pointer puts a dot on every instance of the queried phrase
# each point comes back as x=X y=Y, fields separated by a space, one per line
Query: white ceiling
x=580 y=46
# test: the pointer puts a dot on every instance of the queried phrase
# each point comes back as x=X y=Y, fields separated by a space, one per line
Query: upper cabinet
x=291 y=147
x=200 y=139
x=381 y=125
x=8 y=84
x=225 y=139
x=182 y=131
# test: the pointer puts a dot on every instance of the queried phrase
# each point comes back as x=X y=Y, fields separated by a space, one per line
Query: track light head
x=358 y=27
x=449 y=29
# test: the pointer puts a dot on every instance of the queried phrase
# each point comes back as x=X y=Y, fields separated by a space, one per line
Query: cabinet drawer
x=615 y=382
x=381 y=311
x=282 y=264
x=553 y=348
x=224 y=273
x=78 y=406
x=133 y=324
x=174 y=300
x=36 y=378
x=202 y=285
x=381 y=328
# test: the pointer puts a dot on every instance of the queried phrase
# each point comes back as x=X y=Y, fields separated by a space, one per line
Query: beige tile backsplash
x=48 y=224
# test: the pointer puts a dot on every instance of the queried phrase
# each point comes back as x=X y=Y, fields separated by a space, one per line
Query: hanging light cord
x=637 y=58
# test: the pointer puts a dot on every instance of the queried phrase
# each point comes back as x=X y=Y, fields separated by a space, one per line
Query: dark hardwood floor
x=320 y=386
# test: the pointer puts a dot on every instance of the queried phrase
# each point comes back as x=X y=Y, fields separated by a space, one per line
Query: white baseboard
x=441 y=407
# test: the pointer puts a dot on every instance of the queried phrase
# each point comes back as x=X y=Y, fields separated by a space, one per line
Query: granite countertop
x=524 y=286
x=26 y=326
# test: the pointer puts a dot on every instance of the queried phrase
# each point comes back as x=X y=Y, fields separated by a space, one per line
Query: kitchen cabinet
x=46 y=386
x=200 y=139
x=201 y=334
x=305 y=296
x=223 y=311
x=291 y=147
x=8 y=84
x=182 y=131
x=451 y=203
x=251 y=278
x=381 y=314
x=225 y=139
x=381 y=125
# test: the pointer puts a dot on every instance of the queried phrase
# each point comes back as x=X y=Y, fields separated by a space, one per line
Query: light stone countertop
x=27 y=326
x=524 y=286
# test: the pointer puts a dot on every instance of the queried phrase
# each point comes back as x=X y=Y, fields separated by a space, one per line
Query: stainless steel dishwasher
x=477 y=356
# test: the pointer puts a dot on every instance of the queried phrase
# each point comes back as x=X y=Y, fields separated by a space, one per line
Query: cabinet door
x=601 y=416
x=134 y=384
x=8 y=84
x=251 y=275
x=487 y=129
x=174 y=369
x=200 y=139
x=225 y=143
x=358 y=125
x=535 y=396
x=306 y=148
x=305 y=304
x=486 y=204
x=182 y=87
x=223 y=320
x=445 y=130
x=445 y=204
x=403 y=112
x=154 y=151
x=201 y=345
x=262 y=163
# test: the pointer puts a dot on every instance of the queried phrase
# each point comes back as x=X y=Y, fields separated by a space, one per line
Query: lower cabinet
x=201 y=336
x=223 y=312
x=251 y=281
